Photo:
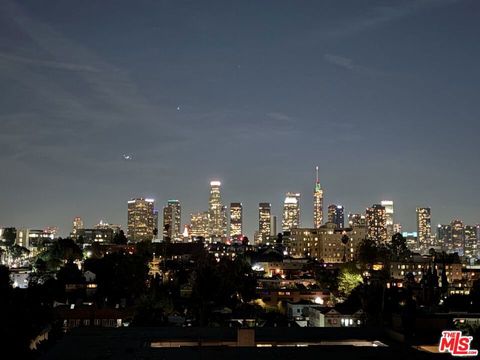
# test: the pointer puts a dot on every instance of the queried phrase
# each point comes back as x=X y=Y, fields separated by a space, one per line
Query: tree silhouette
x=120 y=238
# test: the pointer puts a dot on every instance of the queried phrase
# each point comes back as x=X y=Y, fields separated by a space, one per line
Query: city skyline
x=86 y=125
x=249 y=229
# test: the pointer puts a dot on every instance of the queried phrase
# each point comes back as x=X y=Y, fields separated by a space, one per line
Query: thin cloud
x=341 y=61
x=47 y=63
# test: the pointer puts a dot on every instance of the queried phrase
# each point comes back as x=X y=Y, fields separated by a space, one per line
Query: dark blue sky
x=383 y=95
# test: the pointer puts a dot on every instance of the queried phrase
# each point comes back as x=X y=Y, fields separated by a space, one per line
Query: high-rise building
x=264 y=220
x=200 y=225
x=236 y=220
x=291 y=211
x=356 y=220
x=458 y=236
x=172 y=215
x=141 y=219
x=471 y=240
x=274 y=226
x=444 y=237
x=317 y=203
x=388 y=205
x=336 y=215
x=155 y=223
x=217 y=212
x=424 y=228
x=77 y=225
x=377 y=223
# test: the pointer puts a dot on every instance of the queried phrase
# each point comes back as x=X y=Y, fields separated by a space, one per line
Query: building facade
x=172 y=218
x=336 y=215
x=377 y=223
x=291 y=211
x=325 y=244
x=388 y=205
x=217 y=213
x=141 y=225
x=424 y=228
x=236 y=220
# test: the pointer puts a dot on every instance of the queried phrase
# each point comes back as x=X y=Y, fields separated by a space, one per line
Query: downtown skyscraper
x=217 y=213
x=141 y=220
x=236 y=220
x=172 y=214
x=291 y=211
x=376 y=219
x=336 y=215
x=264 y=220
x=424 y=228
x=388 y=205
x=317 y=203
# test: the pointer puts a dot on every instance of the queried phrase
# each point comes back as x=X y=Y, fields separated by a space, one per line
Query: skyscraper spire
x=317 y=202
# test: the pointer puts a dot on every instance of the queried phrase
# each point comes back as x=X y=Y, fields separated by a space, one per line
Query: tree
x=348 y=279
x=398 y=247
x=17 y=251
x=120 y=238
x=9 y=236
x=367 y=252
x=5 y=281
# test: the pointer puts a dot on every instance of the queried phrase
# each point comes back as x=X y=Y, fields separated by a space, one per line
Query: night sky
x=384 y=96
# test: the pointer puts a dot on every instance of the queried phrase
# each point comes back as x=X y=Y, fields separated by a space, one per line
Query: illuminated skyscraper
x=155 y=223
x=388 y=205
x=377 y=223
x=77 y=225
x=317 y=203
x=291 y=211
x=356 y=220
x=172 y=215
x=236 y=219
x=140 y=219
x=200 y=225
x=336 y=215
x=264 y=220
x=444 y=237
x=424 y=228
x=458 y=236
x=471 y=240
x=217 y=213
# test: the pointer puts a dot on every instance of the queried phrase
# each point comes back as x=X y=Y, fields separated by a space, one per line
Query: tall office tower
x=218 y=213
x=317 y=203
x=77 y=225
x=291 y=211
x=356 y=220
x=155 y=223
x=458 y=236
x=140 y=219
x=424 y=228
x=471 y=241
x=388 y=205
x=377 y=223
x=336 y=215
x=236 y=220
x=264 y=220
x=444 y=237
x=200 y=224
x=274 y=226
x=172 y=218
